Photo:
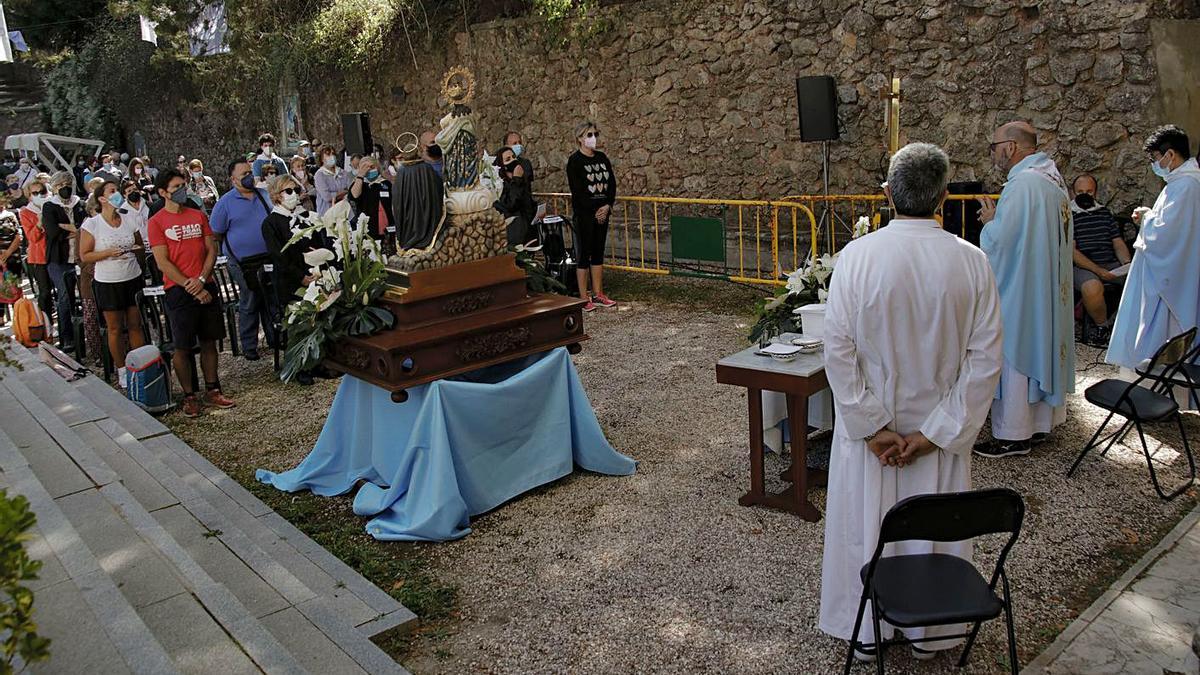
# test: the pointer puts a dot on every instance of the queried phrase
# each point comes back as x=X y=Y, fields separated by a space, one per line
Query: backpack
x=146 y=379
x=29 y=323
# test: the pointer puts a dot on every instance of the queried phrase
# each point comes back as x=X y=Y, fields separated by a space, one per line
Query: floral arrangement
x=537 y=278
x=489 y=174
x=344 y=280
x=805 y=286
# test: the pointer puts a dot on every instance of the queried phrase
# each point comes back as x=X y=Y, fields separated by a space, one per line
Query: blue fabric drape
x=457 y=448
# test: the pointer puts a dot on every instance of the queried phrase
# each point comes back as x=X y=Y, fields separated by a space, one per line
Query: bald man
x=1027 y=238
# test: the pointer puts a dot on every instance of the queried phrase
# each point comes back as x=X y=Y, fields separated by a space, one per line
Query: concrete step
x=197 y=620
x=343 y=589
x=92 y=626
x=320 y=617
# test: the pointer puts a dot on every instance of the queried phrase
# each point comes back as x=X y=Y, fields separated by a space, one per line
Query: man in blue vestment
x=1162 y=292
x=1027 y=238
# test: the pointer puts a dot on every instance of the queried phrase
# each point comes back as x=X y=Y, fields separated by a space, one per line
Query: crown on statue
x=458 y=86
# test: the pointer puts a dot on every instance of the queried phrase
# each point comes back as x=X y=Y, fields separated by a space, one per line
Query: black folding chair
x=106 y=358
x=227 y=289
x=1138 y=405
x=937 y=589
x=275 y=306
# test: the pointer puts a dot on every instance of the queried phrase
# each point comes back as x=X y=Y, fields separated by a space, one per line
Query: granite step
x=196 y=620
x=327 y=628
x=370 y=609
x=92 y=625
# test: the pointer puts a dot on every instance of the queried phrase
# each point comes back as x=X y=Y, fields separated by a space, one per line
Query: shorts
x=118 y=296
x=589 y=240
x=191 y=320
x=1083 y=276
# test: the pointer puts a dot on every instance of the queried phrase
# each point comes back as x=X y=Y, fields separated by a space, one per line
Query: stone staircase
x=155 y=561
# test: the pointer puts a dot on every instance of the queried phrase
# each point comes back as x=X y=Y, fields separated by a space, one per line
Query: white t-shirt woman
x=125 y=237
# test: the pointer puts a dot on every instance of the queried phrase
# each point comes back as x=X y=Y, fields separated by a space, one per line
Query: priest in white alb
x=1029 y=243
x=1162 y=293
x=913 y=353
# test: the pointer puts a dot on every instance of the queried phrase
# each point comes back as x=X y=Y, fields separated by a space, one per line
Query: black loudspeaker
x=961 y=217
x=356 y=133
x=816 y=98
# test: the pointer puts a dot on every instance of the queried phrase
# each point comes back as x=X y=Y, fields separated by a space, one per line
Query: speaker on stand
x=356 y=133
x=816 y=103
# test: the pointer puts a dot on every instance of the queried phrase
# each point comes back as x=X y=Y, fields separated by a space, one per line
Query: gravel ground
x=663 y=571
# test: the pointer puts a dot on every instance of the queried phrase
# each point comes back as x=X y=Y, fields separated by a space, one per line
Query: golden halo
x=415 y=142
x=458 y=86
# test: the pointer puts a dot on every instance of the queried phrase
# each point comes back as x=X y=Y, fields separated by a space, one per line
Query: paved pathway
x=155 y=561
x=1146 y=622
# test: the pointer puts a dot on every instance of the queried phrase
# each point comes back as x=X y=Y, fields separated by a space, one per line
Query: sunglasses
x=33 y=193
x=291 y=191
x=592 y=134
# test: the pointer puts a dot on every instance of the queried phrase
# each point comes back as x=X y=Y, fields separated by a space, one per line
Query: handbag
x=251 y=265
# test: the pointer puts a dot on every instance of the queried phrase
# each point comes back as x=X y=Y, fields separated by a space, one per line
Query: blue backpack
x=146 y=379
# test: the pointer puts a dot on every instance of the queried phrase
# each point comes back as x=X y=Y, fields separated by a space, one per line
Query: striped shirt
x=1094 y=234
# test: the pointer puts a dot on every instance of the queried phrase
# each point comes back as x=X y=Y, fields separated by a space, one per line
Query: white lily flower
x=796 y=282
x=318 y=257
x=862 y=226
x=312 y=292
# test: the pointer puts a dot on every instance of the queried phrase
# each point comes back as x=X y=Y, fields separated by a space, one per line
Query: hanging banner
x=6 y=53
x=148 y=32
x=209 y=33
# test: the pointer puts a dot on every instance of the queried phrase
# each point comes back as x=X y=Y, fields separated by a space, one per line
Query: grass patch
x=712 y=295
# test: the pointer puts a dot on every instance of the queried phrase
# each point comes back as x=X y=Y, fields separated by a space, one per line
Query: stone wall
x=698 y=99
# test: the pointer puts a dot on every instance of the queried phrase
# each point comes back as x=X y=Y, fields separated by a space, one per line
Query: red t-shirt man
x=183 y=234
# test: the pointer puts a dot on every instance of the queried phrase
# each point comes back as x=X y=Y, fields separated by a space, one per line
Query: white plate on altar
x=780 y=352
x=808 y=345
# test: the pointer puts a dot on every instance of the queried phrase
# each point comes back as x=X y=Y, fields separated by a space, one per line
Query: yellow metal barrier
x=763 y=240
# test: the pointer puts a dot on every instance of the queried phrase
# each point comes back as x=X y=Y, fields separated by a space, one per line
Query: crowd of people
x=96 y=235
x=1001 y=317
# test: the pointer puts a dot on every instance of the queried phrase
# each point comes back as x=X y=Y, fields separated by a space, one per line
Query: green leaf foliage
x=19 y=641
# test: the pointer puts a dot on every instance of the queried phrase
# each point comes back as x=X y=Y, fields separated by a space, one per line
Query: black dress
x=516 y=202
x=289 y=266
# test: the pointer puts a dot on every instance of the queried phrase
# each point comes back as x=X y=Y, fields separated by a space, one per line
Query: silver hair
x=918 y=175
x=62 y=179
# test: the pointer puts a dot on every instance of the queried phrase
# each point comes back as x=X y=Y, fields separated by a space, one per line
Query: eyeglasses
x=992 y=146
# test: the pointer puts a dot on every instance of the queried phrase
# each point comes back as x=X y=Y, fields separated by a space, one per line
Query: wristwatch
x=202 y=279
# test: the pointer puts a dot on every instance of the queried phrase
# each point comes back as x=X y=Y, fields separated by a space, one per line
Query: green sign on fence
x=701 y=239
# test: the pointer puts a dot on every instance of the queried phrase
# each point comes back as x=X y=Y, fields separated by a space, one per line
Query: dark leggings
x=42 y=287
x=589 y=240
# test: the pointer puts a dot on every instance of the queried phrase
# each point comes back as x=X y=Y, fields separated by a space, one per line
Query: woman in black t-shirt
x=593 y=192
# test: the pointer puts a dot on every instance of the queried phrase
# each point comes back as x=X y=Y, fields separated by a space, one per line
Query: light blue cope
x=1028 y=245
x=456 y=448
x=1162 y=292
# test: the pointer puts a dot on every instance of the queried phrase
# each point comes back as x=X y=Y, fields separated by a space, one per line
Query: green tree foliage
x=18 y=632
x=53 y=24
x=72 y=106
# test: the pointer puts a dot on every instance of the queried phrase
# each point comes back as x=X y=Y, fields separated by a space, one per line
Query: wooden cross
x=891 y=114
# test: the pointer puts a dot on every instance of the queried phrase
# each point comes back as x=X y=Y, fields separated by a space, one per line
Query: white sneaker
x=864 y=657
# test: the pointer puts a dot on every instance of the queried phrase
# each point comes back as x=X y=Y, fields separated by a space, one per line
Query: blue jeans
x=251 y=309
x=58 y=271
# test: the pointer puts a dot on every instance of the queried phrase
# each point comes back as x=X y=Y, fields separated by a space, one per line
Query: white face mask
x=290 y=201
x=299 y=173
x=39 y=200
x=590 y=142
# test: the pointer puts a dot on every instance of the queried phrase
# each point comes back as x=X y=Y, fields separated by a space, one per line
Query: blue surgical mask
x=372 y=175
x=518 y=149
x=115 y=200
x=1160 y=170
x=180 y=196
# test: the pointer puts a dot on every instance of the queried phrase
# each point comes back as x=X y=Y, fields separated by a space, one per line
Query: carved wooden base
x=456 y=319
